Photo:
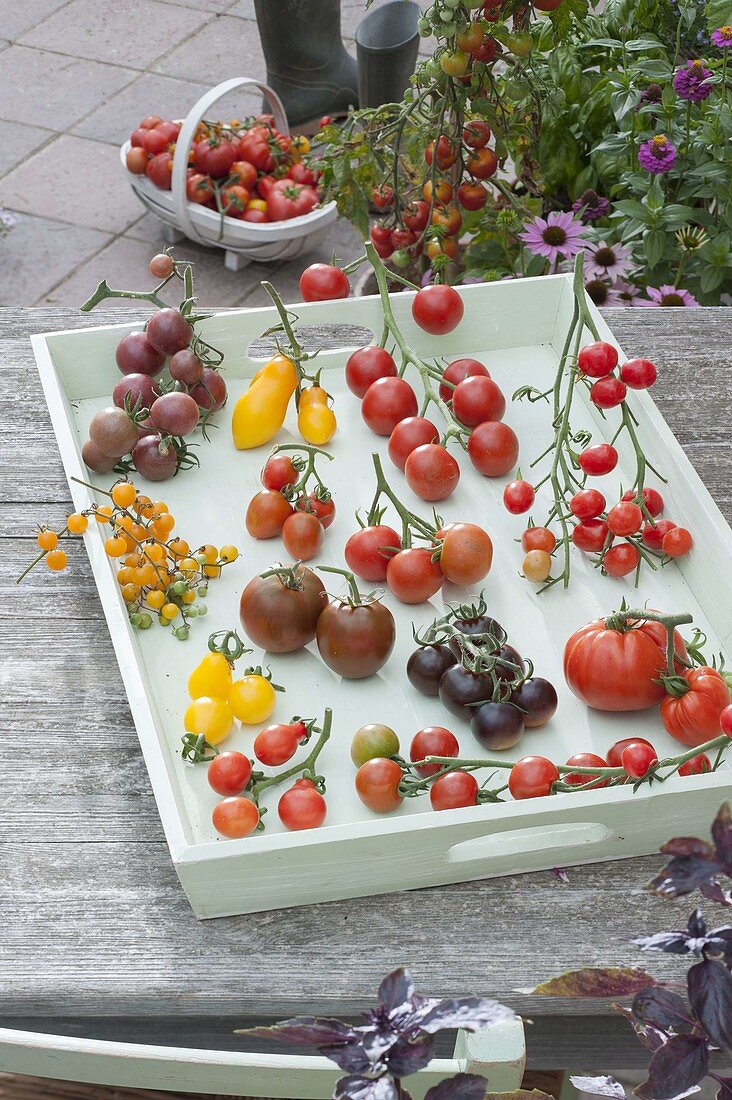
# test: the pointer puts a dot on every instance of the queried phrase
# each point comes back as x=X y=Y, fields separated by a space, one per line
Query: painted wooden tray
x=517 y=329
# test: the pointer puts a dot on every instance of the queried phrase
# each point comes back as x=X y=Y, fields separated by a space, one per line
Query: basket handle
x=187 y=133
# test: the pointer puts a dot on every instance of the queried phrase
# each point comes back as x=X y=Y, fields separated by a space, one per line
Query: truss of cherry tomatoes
x=295 y=502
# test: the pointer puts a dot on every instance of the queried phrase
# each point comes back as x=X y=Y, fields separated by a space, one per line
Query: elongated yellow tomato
x=211 y=717
x=260 y=412
x=211 y=677
x=315 y=419
x=252 y=699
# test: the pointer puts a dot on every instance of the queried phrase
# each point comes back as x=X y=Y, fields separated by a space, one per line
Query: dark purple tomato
x=537 y=699
x=459 y=688
x=503 y=671
x=168 y=331
x=210 y=392
x=497 y=725
x=155 y=459
x=480 y=624
x=136 y=355
x=175 y=413
x=141 y=389
x=186 y=367
x=426 y=666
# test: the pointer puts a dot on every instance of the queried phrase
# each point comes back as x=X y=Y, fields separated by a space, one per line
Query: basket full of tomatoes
x=242 y=186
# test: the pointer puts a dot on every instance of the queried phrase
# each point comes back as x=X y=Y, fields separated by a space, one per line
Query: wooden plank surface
x=94 y=921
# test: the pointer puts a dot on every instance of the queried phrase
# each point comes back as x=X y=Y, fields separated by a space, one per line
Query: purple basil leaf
x=688 y=846
x=675 y=1068
x=407 y=1056
x=682 y=875
x=464 y=1086
x=716 y=893
x=719 y=940
x=599 y=1086
x=649 y=1036
x=470 y=1013
x=396 y=990
x=662 y=1009
x=350 y=1057
x=722 y=837
x=710 y=995
x=305 y=1029
x=420 y=1008
x=358 y=1087
x=725 y=1088
x=376 y=1040
x=696 y=925
x=676 y=943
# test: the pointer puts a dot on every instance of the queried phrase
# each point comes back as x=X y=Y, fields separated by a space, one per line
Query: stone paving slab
x=226 y=46
x=148 y=94
x=23 y=14
x=16 y=143
x=38 y=253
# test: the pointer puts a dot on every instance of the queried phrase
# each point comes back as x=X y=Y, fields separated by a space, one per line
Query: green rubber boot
x=307 y=64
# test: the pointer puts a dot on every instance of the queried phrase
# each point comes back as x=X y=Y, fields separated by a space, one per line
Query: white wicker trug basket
x=241 y=241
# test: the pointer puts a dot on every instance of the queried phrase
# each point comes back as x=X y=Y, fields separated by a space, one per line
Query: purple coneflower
x=608 y=260
x=668 y=296
x=590 y=206
x=603 y=294
x=557 y=235
x=691 y=81
x=657 y=155
x=722 y=38
x=651 y=94
x=626 y=292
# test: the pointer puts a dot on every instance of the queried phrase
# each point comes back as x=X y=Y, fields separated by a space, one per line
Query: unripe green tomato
x=520 y=44
x=400 y=258
x=372 y=741
x=424 y=27
x=451 y=3
x=447 y=15
x=454 y=63
x=145 y=621
x=449 y=30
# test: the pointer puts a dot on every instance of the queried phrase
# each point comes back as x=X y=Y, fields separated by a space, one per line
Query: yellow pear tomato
x=212 y=677
x=260 y=412
x=210 y=717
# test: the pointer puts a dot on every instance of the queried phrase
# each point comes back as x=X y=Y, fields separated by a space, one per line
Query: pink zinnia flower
x=556 y=235
x=590 y=206
x=605 y=259
x=722 y=38
x=657 y=155
x=603 y=294
x=668 y=296
x=691 y=81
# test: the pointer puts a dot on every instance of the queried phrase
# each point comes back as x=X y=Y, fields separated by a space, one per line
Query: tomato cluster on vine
x=288 y=506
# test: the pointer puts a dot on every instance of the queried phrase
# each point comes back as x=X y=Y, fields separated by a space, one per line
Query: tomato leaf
x=599 y=1086
x=463 y=1086
x=610 y=981
x=674 y=1069
x=710 y=995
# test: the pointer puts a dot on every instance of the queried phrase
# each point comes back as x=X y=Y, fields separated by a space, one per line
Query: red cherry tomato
x=481 y=163
x=369 y=550
x=454 y=790
x=585 y=760
x=323 y=283
x=456 y=372
x=377 y=784
x=493 y=448
x=476 y=133
x=410 y=433
x=608 y=392
x=437 y=309
x=698 y=765
x=381 y=240
x=467 y=553
x=276 y=744
x=412 y=575
x=600 y=459
x=621 y=560
x=598 y=359
x=587 y=504
x=235 y=817
x=639 y=374
x=432 y=472
x=367 y=365
x=386 y=402
x=215 y=159
x=323 y=510
x=638 y=758
x=652 y=500
x=267 y=513
x=432 y=741
x=229 y=772
x=160 y=170
x=625 y=518
x=477 y=399
x=382 y=197
x=403 y=238
x=279 y=471
x=654 y=534
x=538 y=538
x=590 y=535
x=416 y=215
x=302 y=807
x=532 y=777
x=302 y=535
x=677 y=542
x=518 y=496
x=446 y=154
x=472 y=196
x=615 y=752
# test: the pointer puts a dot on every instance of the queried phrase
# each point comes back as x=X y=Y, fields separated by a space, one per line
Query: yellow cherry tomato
x=47 y=540
x=130 y=592
x=103 y=513
x=169 y=611
x=124 y=494
x=155 y=599
x=179 y=548
x=228 y=553
x=252 y=699
x=77 y=523
x=115 y=546
x=301 y=144
x=210 y=717
x=260 y=412
x=56 y=560
x=211 y=676
x=257 y=204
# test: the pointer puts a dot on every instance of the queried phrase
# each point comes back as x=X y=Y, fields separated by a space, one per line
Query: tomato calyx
x=354 y=597
x=259 y=670
x=627 y=619
x=197 y=750
x=305 y=461
x=228 y=643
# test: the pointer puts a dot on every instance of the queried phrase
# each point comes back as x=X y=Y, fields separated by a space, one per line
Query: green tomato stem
x=306 y=767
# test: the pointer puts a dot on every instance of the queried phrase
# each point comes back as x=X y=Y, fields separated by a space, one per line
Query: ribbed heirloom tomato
x=693 y=715
x=617 y=669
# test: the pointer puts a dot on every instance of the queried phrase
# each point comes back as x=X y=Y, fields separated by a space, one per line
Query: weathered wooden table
x=97 y=937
